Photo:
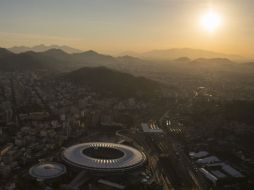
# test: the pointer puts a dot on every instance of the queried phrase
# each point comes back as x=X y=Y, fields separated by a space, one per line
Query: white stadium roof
x=102 y=156
x=47 y=170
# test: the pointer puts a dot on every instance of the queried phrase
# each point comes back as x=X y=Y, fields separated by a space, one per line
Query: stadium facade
x=104 y=157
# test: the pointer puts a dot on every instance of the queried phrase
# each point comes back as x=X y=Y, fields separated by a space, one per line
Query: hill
x=42 y=48
x=215 y=61
x=93 y=57
x=59 y=60
x=4 y=52
x=112 y=82
x=175 y=53
x=52 y=59
x=31 y=61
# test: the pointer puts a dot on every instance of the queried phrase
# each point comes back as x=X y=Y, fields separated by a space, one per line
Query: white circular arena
x=103 y=157
x=49 y=170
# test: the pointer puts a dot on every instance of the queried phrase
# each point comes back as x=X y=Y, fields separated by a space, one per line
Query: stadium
x=47 y=171
x=102 y=157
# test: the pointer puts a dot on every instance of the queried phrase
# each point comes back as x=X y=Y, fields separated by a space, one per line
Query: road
x=174 y=133
x=168 y=162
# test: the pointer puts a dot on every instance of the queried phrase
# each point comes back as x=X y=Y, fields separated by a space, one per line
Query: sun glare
x=210 y=21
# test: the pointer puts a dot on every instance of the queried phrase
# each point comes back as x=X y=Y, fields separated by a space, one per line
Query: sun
x=211 y=21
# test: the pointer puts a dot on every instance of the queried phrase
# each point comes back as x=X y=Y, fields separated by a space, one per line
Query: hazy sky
x=122 y=25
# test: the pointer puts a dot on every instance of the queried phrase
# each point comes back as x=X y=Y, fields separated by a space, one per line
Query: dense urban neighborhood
x=182 y=127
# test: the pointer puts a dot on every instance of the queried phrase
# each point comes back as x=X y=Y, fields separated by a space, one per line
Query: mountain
x=56 y=54
x=42 y=48
x=24 y=61
x=4 y=52
x=250 y=63
x=130 y=60
x=29 y=61
x=217 y=61
x=59 y=60
x=94 y=58
x=182 y=60
x=171 y=54
x=52 y=59
x=129 y=53
x=112 y=82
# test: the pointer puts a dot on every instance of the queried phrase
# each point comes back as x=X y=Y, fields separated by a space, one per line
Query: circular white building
x=104 y=157
x=48 y=170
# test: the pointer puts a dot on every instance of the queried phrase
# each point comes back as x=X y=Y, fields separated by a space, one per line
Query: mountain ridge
x=57 y=59
x=175 y=53
x=42 y=48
